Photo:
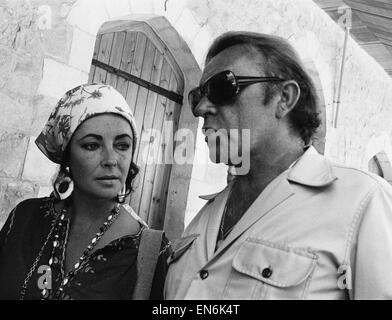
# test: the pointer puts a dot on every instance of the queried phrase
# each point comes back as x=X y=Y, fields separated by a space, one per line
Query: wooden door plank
x=157 y=176
x=95 y=56
x=162 y=171
x=126 y=60
x=158 y=122
x=144 y=71
x=115 y=57
x=170 y=116
x=158 y=43
x=136 y=69
x=105 y=49
x=141 y=106
x=147 y=140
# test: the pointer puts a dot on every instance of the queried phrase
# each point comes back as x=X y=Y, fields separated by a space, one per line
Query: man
x=296 y=226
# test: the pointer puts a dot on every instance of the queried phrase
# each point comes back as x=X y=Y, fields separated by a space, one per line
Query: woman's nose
x=109 y=158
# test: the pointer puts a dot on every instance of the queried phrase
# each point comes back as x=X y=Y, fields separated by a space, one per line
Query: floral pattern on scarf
x=75 y=107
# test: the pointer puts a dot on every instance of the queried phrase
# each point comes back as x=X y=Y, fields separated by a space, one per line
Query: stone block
x=171 y=9
x=13 y=191
x=88 y=15
x=12 y=153
x=15 y=116
x=44 y=192
x=22 y=93
x=187 y=26
x=82 y=50
x=57 y=35
x=118 y=8
x=141 y=6
x=200 y=45
x=59 y=78
x=37 y=167
x=42 y=106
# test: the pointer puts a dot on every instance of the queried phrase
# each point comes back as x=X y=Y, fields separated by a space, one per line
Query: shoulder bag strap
x=149 y=248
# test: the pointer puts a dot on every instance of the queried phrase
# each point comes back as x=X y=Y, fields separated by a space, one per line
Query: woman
x=80 y=243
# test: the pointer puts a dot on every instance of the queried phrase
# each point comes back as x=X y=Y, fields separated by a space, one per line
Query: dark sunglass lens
x=222 y=87
x=194 y=98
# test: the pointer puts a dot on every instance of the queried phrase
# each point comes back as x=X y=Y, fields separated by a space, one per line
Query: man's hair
x=281 y=60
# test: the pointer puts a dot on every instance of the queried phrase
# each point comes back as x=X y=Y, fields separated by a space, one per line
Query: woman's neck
x=86 y=208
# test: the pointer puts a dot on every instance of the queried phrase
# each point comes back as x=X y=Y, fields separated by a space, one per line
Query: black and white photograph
x=195 y=150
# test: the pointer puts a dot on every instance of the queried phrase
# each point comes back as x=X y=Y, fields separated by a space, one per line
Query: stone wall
x=46 y=48
x=31 y=31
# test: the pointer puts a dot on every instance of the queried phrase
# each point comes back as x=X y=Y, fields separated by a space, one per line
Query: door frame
x=185 y=66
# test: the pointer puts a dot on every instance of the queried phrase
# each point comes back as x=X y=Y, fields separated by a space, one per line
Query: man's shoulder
x=321 y=165
x=358 y=176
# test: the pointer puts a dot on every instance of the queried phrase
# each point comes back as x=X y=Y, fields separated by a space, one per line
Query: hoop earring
x=64 y=186
x=122 y=194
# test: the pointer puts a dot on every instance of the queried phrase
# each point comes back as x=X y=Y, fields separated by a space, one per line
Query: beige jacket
x=318 y=231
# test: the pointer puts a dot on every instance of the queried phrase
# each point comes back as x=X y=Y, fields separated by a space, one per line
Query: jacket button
x=203 y=274
x=266 y=273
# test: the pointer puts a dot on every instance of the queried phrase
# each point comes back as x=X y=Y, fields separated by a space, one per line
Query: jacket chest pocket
x=265 y=270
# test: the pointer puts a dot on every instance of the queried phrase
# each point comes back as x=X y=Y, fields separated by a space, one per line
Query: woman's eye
x=123 y=146
x=91 y=146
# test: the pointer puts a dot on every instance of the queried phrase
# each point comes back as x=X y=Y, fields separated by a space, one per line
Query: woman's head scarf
x=75 y=107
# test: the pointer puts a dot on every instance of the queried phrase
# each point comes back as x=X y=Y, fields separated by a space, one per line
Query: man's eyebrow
x=96 y=136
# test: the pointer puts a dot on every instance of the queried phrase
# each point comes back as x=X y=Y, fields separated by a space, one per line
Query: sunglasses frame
x=238 y=82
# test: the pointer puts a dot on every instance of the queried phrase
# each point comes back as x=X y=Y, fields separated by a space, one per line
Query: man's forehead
x=238 y=58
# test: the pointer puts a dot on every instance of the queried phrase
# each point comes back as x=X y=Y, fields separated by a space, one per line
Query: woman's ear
x=289 y=96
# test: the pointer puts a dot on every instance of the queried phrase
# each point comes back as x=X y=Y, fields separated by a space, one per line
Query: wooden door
x=136 y=62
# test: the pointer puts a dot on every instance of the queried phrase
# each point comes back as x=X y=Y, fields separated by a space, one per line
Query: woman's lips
x=108 y=180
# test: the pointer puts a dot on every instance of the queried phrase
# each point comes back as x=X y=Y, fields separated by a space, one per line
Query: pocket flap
x=179 y=246
x=275 y=264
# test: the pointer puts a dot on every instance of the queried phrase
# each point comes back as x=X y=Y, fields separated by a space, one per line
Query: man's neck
x=266 y=167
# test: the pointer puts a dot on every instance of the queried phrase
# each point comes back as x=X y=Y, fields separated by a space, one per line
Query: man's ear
x=289 y=95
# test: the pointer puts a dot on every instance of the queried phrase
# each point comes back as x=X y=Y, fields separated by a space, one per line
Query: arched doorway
x=380 y=165
x=136 y=58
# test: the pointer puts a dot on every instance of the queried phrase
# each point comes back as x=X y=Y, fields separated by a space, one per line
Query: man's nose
x=204 y=108
x=109 y=157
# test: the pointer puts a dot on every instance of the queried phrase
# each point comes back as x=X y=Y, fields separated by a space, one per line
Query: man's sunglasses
x=224 y=86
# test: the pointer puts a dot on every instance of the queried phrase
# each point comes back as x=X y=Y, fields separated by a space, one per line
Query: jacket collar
x=312 y=169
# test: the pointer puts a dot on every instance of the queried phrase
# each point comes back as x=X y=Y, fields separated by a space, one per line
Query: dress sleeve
x=158 y=282
x=372 y=277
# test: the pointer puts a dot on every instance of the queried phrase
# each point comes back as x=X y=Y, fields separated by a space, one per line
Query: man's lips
x=204 y=130
x=207 y=132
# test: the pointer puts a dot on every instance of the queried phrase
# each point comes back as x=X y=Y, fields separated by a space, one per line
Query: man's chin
x=218 y=159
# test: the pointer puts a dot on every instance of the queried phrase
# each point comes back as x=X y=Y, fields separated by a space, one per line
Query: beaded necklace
x=58 y=249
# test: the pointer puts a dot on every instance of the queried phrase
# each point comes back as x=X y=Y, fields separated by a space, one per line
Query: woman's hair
x=280 y=60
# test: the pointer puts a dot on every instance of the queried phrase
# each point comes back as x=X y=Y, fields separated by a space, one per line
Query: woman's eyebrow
x=96 y=136
x=124 y=135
